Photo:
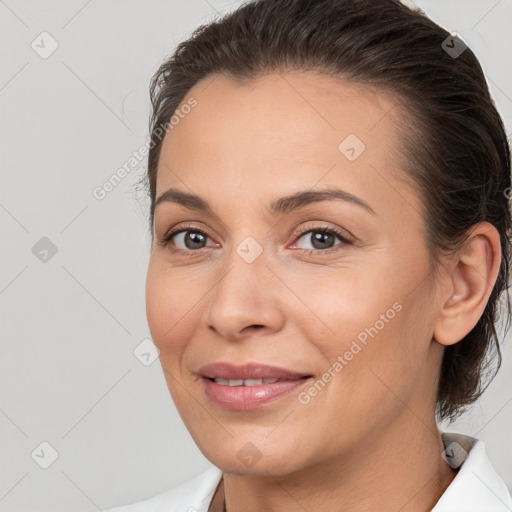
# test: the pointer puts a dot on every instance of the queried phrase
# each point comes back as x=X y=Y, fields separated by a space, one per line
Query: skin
x=369 y=439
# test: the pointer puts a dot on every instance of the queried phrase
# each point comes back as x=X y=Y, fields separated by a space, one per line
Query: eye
x=186 y=238
x=191 y=239
x=322 y=238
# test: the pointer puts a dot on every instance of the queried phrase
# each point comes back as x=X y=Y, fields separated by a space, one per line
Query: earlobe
x=473 y=274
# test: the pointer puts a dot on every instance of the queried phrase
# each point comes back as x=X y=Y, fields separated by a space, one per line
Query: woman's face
x=351 y=311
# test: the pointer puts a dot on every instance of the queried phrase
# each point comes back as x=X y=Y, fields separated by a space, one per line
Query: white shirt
x=476 y=487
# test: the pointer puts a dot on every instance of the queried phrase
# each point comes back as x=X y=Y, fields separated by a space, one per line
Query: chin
x=259 y=457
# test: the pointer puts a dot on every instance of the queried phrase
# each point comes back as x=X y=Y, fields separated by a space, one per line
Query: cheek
x=363 y=322
x=166 y=311
x=175 y=302
x=167 y=303
x=346 y=305
x=157 y=306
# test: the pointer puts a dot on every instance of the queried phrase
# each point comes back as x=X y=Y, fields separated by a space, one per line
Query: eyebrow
x=280 y=206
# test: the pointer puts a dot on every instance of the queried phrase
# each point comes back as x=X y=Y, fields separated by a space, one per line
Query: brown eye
x=194 y=239
x=322 y=238
x=186 y=239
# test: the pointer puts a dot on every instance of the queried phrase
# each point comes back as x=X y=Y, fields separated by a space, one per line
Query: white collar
x=476 y=487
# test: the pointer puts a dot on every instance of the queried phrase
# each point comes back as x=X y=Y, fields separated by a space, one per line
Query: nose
x=246 y=298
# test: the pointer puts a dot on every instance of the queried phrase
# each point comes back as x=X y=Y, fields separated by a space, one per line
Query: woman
x=329 y=186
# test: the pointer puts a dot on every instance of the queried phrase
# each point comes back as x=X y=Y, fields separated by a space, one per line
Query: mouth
x=248 y=386
x=249 y=373
x=250 y=382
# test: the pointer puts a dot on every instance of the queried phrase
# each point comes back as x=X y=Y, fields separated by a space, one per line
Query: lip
x=244 y=398
x=248 y=371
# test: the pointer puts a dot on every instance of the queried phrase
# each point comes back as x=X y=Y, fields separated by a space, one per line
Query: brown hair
x=454 y=144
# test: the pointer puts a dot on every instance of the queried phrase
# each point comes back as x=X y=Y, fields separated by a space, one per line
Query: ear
x=468 y=284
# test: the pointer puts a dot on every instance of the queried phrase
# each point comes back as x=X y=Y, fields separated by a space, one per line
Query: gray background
x=70 y=325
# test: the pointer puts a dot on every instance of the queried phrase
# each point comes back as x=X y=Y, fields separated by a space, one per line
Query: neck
x=400 y=470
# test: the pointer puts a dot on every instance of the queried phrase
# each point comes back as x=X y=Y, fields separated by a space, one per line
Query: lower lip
x=244 y=398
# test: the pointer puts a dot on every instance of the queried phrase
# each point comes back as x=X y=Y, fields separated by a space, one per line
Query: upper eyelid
x=338 y=230
x=180 y=229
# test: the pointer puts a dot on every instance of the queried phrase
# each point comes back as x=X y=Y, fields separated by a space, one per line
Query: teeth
x=253 y=382
x=246 y=382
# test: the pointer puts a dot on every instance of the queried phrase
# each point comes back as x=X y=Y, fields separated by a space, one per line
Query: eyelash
x=297 y=236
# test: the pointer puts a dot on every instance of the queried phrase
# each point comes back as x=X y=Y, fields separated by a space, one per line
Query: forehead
x=300 y=104
x=291 y=129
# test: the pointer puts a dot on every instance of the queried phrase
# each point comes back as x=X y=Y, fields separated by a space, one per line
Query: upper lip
x=228 y=371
